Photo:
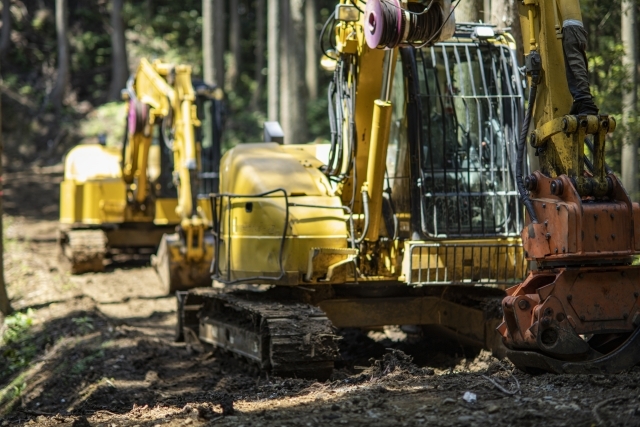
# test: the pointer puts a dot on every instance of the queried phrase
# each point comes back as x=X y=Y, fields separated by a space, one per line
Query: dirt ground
x=97 y=349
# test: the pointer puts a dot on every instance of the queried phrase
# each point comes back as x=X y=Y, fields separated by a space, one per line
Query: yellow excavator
x=151 y=194
x=412 y=218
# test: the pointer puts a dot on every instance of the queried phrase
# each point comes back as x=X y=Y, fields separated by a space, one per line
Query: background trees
x=264 y=53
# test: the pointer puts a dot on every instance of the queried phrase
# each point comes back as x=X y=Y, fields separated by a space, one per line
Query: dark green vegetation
x=155 y=29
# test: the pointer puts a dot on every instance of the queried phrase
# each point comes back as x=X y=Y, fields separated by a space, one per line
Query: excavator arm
x=578 y=310
x=162 y=94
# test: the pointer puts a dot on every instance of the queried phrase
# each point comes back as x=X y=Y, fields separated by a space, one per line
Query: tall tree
x=119 y=60
x=293 y=102
x=259 y=53
x=504 y=14
x=208 y=49
x=311 y=49
x=5 y=36
x=219 y=41
x=5 y=305
x=57 y=93
x=470 y=11
x=630 y=98
x=234 y=44
x=273 y=49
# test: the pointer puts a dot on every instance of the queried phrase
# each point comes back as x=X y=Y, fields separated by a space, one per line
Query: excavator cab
x=461 y=120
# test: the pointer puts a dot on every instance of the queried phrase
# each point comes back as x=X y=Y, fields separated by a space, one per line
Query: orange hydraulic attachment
x=584 y=282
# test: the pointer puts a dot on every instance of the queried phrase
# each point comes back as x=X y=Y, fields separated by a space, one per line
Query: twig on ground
x=501 y=388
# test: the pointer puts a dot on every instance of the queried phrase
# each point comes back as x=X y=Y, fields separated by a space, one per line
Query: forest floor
x=97 y=349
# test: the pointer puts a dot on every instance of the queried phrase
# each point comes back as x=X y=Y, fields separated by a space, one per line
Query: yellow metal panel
x=70 y=204
x=258 y=168
x=166 y=212
x=255 y=226
x=102 y=202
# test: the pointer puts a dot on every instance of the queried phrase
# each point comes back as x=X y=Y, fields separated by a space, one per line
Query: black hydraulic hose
x=365 y=206
x=524 y=194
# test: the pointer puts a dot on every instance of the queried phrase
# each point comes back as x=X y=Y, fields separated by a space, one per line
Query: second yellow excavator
x=153 y=193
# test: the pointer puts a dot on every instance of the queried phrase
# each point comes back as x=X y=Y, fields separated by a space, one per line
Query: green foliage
x=84 y=324
x=173 y=32
x=16 y=346
x=81 y=365
x=107 y=119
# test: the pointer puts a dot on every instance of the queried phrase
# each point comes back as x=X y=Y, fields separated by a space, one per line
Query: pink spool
x=374 y=24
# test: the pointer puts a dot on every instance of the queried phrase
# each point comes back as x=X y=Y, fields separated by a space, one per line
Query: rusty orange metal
x=585 y=283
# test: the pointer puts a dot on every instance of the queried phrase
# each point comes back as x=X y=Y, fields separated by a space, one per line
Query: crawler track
x=288 y=339
x=83 y=250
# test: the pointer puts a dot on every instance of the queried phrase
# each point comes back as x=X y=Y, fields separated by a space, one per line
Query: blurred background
x=64 y=62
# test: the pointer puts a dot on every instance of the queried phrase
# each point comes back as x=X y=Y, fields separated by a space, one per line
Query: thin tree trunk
x=311 y=49
x=57 y=93
x=5 y=37
x=119 y=60
x=293 y=110
x=273 y=50
x=469 y=11
x=208 y=61
x=486 y=10
x=219 y=41
x=630 y=98
x=504 y=14
x=234 y=44
x=151 y=9
x=259 y=53
x=5 y=305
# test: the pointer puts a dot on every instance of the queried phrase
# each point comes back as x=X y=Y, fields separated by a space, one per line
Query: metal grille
x=472 y=103
x=450 y=264
x=210 y=135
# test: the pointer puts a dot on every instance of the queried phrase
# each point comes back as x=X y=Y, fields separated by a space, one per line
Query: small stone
x=448 y=400
x=469 y=397
x=187 y=421
x=493 y=409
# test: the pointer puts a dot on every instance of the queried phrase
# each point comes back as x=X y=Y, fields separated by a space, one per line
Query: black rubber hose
x=524 y=194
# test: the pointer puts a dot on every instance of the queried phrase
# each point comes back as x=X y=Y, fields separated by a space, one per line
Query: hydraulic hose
x=365 y=206
x=524 y=194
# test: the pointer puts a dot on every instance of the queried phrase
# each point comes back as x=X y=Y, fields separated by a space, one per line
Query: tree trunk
x=630 y=99
x=119 y=60
x=293 y=105
x=504 y=14
x=259 y=53
x=208 y=61
x=219 y=41
x=151 y=9
x=5 y=305
x=311 y=49
x=57 y=93
x=234 y=44
x=5 y=37
x=470 y=11
x=273 y=50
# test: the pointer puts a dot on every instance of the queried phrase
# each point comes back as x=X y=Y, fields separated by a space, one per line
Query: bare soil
x=100 y=352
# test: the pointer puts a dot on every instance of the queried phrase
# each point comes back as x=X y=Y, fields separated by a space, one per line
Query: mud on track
x=99 y=351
